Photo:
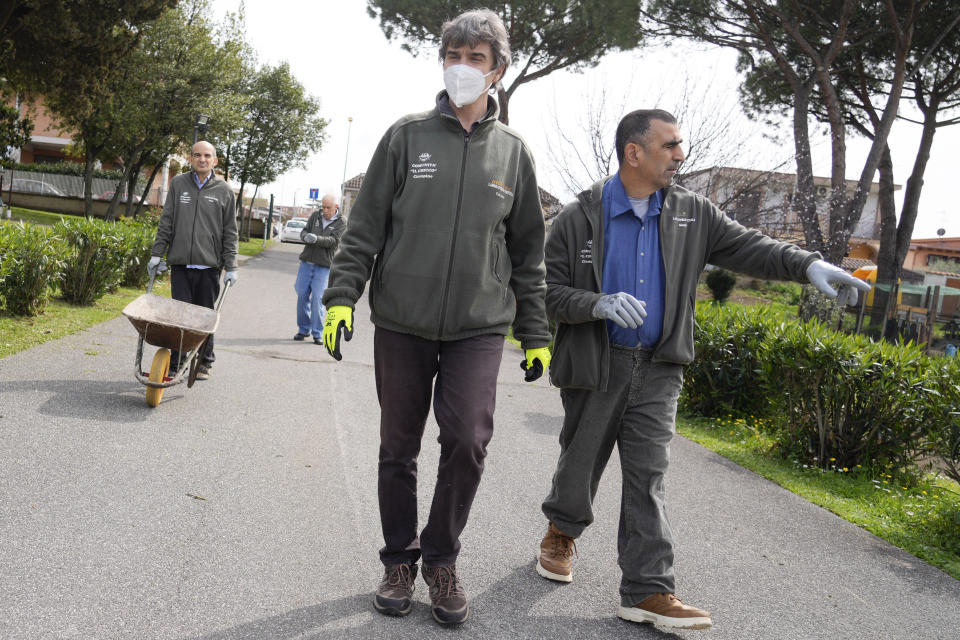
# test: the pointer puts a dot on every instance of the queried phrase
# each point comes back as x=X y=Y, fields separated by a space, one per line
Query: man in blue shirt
x=623 y=262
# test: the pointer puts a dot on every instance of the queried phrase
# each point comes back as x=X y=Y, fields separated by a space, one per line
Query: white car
x=26 y=185
x=291 y=230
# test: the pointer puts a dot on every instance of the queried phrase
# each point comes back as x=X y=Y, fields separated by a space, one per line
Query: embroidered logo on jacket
x=500 y=189
x=681 y=221
x=586 y=254
x=185 y=197
x=424 y=168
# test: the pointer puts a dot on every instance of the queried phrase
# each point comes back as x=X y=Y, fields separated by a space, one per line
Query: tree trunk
x=805 y=194
x=239 y=213
x=88 y=182
x=911 y=196
x=146 y=191
x=886 y=274
x=504 y=99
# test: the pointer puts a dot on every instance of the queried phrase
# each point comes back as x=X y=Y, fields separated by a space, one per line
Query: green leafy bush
x=137 y=236
x=844 y=400
x=29 y=262
x=944 y=430
x=95 y=260
x=721 y=283
x=726 y=375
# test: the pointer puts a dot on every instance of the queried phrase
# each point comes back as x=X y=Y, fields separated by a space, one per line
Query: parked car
x=25 y=185
x=291 y=230
x=108 y=195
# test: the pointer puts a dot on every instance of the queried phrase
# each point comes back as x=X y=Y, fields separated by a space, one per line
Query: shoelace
x=400 y=575
x=562 y=547
x=447 y=583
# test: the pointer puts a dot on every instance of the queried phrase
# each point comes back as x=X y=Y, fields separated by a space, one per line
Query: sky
x=341 y=56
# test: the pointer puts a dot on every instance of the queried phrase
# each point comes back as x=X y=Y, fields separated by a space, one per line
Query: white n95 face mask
x=464 y=83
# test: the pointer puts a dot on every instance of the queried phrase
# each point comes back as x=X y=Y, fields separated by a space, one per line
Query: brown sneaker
x=396 y=589
x=447 y=597
x=203 y=372
x=666 y=610
x=555 y=557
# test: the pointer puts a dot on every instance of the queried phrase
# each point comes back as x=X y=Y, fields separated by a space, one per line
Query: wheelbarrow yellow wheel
x=158 y=371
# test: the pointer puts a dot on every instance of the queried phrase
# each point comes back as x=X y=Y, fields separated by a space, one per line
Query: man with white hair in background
x=320 y=236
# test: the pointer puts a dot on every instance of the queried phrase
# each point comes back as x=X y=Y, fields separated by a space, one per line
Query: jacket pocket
x=495 y=262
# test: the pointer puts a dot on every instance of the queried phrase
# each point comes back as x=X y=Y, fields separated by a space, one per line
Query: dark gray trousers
x=637 y=412
x=461 y=375
x=200 y=287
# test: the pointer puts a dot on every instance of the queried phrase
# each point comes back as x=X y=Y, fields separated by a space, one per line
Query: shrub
x=726 y=374
x=29 y=262
x=95 y=259
x=944 y=430
x=721 y=283
x=137 y=236
x=844 y=400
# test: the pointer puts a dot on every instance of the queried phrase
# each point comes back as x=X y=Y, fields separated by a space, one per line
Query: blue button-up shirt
x=196 y=179
x=632 y=261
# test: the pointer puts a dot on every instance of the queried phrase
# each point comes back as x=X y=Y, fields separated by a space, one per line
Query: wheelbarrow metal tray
x=171 y=324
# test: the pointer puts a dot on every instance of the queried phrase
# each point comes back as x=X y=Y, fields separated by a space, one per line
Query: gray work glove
x=156 y=266
x=822 y=275
x=309 y=238
x=621 y=308
x=230 y=277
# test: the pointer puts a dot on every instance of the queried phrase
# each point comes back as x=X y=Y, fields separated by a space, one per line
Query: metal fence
x=53 y=184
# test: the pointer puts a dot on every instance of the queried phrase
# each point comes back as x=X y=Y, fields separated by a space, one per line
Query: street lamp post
x=200 y=126
x=346 y=154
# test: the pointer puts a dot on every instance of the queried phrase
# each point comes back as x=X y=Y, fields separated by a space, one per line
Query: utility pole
x=346 y=154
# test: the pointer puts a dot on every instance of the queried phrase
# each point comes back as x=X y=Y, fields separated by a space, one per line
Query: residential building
x=764 y=200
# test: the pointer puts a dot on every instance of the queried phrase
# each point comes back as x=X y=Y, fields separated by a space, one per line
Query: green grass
x=253 y=246
x=922 y=518
x=33 y=216
x=60 y=319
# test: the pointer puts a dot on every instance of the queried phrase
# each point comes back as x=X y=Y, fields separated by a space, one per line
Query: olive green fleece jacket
x=449 y=230
x=198 y=226
x=321 y=250
x=693 y=233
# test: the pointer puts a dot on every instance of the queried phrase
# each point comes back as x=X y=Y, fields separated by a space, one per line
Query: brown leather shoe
x=448 y=600
x=395 y=590
x=555 y=558
x=666 y=610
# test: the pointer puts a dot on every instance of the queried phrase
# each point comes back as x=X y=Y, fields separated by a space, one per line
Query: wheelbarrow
x=172 y=325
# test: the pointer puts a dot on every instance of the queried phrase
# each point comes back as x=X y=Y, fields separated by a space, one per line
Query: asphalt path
x=245 y=507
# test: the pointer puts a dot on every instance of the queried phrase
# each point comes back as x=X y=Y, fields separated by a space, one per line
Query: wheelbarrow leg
x=158 y=371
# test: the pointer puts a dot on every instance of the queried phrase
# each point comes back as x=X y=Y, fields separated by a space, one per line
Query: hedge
x=832 y=400
x=84 y=258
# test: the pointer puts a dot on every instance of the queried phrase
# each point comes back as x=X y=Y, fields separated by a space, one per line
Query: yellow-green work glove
x=338 y=316
x=536 y=363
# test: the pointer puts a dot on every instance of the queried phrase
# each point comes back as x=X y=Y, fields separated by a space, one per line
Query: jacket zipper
x=453 y=243
x=193 y=234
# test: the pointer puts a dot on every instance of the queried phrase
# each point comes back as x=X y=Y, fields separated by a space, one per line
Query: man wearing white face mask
x=448 y=224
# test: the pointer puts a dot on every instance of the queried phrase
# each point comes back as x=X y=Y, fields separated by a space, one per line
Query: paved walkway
x=245 y=507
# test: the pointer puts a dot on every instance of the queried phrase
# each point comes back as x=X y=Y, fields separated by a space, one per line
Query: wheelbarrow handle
x=153 y=276
x=223 y=294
